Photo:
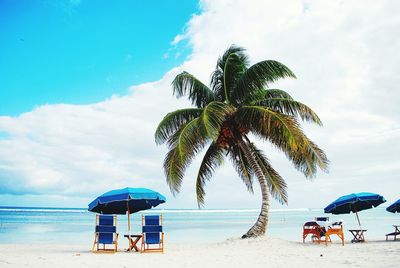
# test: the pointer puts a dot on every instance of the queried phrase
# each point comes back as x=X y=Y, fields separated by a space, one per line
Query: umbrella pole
x=129 y=220
x=358 y=219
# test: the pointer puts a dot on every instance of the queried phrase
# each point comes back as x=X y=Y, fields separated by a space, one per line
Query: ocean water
x=72 y=225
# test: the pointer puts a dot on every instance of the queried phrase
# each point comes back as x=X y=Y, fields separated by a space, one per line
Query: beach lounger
x=152 y=234
x=105 y=233
x=395 y=233
x=315 y=230
x=335 y=229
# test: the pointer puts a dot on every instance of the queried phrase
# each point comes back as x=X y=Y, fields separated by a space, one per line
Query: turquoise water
x=63 y=225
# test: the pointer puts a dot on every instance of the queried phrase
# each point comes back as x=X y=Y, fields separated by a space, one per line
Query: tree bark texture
x=259 y=228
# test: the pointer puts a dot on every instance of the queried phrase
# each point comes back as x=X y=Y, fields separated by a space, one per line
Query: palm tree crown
x=237 y=103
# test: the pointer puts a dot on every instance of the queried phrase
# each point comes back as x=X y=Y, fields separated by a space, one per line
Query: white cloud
x=344 y=54
x=178 y=38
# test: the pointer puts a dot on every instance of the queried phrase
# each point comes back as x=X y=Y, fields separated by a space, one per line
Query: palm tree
x=238 y=103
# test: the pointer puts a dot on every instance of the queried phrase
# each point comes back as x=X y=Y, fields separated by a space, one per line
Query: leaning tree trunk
x=260 y=226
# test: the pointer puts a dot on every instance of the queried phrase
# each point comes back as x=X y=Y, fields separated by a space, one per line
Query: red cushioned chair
x=316 y=231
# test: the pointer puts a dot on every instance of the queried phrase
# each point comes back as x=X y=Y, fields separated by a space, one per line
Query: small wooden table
x=133 y=240
x=358 y=235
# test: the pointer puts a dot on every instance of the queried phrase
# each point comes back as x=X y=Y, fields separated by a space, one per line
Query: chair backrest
x=310 y=225
x=336 y=225
x=107 y=220
x=321 y=218
x=152 y=220
x=152 y=228
x=106 y=228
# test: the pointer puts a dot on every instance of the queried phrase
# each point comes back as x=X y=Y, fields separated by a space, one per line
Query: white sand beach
x=261 y=252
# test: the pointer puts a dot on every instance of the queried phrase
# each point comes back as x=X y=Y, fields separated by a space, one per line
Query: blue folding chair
x=152 y=234
x=105 y=233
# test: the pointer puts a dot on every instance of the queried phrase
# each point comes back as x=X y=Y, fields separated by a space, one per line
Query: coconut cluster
x=229 y=133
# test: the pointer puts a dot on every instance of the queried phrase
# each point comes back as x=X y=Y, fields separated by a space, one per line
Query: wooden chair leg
x=142 y=245
x=162 y=242
x=94 y=242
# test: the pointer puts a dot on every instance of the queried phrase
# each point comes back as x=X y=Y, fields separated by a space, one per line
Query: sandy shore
x=263 y=252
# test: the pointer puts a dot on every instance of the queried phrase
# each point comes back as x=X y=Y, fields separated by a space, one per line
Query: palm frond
x=229 y=68
x=276 y=93
x=290 y=107
x=188 y=139
x=186 y=84
x=174 y=170
x=232 y=50
x=277 y=185
x=183 y=145
x=217 y=84
x=259 y=76
x=212 y=160
x=235 y=66
x=285 y=133
x=253 y=164
x=173 y=121
x=242 y=166
x=263 y=94
x=212 y=117
x=266 y=122
x=307 y=157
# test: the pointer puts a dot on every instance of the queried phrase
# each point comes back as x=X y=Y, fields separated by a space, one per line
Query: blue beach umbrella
x=395 y=207
x=354 y=203
x=126 y=200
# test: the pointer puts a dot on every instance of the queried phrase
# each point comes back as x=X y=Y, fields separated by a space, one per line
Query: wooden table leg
x=130 y=247
x=135 y=242
x=358 y=236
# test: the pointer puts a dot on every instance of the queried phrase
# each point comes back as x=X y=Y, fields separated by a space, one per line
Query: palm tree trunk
x=259 y=228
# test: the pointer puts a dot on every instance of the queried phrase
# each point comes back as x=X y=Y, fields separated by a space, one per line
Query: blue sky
x=85 y=51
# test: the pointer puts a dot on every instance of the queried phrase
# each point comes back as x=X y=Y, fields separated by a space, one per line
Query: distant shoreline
x=168 y=209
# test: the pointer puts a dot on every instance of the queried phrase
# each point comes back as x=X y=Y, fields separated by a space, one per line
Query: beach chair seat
x=105 y=234
x=335 y=229
x=152 y=234
x=316 y=231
